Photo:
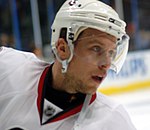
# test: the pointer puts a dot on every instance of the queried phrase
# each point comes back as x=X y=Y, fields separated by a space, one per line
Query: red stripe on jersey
x=40 y=89
x=73 y=111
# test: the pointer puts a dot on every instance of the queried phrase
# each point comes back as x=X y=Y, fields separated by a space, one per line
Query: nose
x=104 y=62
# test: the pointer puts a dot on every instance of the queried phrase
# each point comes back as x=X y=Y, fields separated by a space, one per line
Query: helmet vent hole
x=110 y=27
x=79 y=5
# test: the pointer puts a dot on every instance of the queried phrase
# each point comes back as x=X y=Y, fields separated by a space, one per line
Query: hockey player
x=88 y=39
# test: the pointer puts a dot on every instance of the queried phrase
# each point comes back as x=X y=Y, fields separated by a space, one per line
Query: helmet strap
x=65 y=63
x=64 y=66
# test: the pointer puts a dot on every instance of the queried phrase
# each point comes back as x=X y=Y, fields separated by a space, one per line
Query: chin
x=92 y=91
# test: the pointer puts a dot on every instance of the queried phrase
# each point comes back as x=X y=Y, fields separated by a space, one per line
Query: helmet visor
x=100 y=53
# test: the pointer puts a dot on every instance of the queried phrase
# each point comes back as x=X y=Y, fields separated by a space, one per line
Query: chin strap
x=83 y=112
x=65 y=62
x=70 y=38
x=64 y=66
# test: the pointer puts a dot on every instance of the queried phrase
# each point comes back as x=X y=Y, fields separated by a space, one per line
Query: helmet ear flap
x=63 y=58
x=63 y=52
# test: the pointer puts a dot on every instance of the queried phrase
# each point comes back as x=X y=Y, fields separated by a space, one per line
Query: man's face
x=93 y=53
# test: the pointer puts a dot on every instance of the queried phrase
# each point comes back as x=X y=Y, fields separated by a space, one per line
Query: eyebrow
x=110 y=37
x=102 y=44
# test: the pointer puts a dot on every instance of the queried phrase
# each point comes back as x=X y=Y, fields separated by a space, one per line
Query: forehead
x=91 y=37
x=91 y=33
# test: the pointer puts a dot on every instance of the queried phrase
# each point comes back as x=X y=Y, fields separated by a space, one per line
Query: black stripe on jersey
x=61 y=99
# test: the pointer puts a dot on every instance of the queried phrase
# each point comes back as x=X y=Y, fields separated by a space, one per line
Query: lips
x=98 y=78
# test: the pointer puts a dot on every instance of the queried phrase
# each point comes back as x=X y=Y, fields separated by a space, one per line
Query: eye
x=96 y=49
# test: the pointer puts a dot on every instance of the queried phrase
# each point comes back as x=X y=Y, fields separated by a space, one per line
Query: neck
x=57 y=75
x=58 y=79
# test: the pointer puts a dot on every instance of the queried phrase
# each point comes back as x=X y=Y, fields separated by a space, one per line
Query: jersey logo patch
x=50 y=110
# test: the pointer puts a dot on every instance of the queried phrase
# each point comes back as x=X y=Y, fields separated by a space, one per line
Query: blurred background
x=26 y=25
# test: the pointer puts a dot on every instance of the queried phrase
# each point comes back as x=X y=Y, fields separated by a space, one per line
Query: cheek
x=80 y=69
x=78 y=65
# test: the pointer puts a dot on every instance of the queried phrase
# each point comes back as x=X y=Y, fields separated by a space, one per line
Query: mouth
x=98 y=79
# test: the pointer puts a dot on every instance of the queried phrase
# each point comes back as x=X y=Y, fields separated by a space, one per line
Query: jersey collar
x=62 y=114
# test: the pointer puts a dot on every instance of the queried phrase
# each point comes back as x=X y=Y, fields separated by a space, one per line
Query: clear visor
x=122 y=50
x=102 y=53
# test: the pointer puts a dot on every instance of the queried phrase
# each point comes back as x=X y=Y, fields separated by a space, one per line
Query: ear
x=62 y=49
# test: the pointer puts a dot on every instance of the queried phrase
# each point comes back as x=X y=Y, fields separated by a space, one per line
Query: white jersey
x=21 y=81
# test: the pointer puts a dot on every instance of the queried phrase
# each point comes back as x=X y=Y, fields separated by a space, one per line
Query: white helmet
x=77 y=15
